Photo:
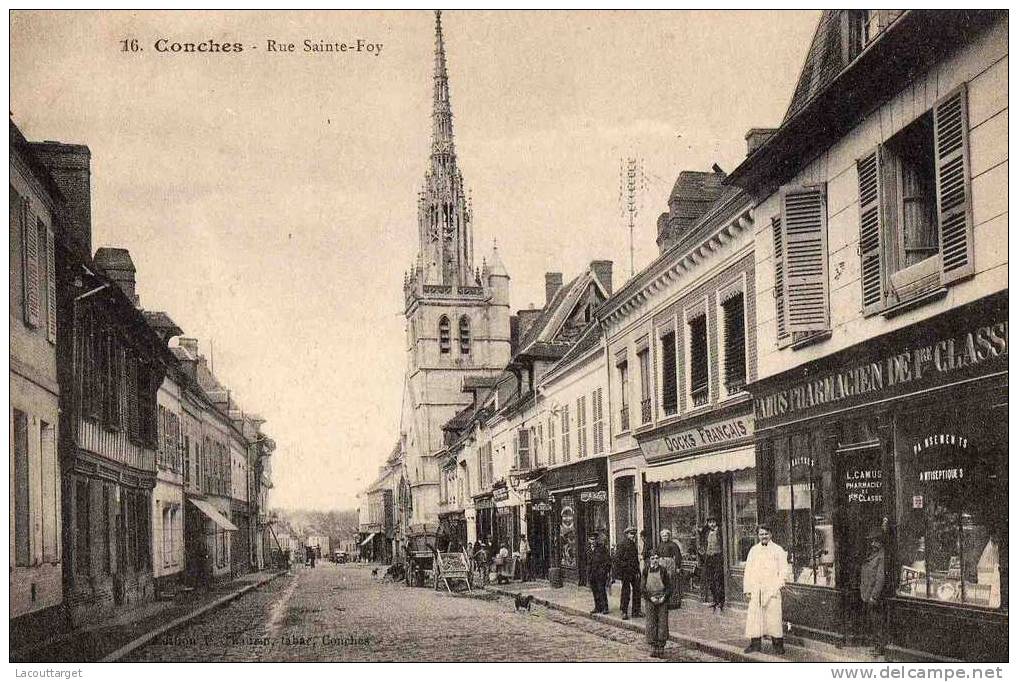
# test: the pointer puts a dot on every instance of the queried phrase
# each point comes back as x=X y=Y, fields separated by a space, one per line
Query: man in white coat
x=766 y=570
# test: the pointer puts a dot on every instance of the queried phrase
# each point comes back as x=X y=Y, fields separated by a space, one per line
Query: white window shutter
x=784 y=338
x=51 y=289
x=30 y=282
x=804 y=218
x=954 y=192
x=871 y=266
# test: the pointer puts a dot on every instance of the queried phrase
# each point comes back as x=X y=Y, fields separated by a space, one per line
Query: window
x=915 y=228
x=699 y=381
x=669 y=387
x=485 y=466
x=677 y=512
x=30 y=275
x=864 y=24
x=523 y=449
x=464 y=335
x=581 y=426
x=22 y=506
x=444 y=335
x=803 y=473
x=800 y=262
x=42 y=251
x=537 y=438
x=187 y=458
x=551 y=438
x=733 y=312
x=565 y=433
x=744 y=504
x=643 y=358
x=951 y=488
x=597 y=407
x=83 y=528
x=623 y=368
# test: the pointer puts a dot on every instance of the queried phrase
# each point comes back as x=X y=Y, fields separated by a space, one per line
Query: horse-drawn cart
x=420 y=561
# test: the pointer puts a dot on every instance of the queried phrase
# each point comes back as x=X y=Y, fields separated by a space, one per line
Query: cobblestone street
x=341 y=613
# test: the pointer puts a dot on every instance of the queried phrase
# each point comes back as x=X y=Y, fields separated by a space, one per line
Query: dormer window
x=444 y=335
x=464 y=335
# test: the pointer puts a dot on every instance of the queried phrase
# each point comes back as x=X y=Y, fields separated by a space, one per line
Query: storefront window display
x=803 y=507
x=744 y=502
x=952 y=499
x=677 y=504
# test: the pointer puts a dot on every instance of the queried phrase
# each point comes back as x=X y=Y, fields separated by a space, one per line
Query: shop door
x=540 y=541
x=710 y=504
x=860 y=509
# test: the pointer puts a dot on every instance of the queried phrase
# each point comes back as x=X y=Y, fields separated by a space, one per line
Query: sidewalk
x=113 y=638
x=695 y=625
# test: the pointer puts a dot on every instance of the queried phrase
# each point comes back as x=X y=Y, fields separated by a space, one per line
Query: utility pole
x=632 y=183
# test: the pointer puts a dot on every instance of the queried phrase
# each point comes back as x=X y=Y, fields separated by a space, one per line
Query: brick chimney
x=190 y=344
x=756 y=137
x=552 y=283
x=70 y=167
x=119 y=267
x=603 y=270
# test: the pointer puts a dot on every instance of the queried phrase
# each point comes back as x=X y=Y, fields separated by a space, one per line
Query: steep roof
x=827 y=56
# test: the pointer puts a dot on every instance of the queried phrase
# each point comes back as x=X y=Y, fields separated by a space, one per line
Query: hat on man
x=631 y=529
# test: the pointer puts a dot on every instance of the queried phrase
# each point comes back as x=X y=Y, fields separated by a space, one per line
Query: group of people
x=484 y=561
x=661 y=582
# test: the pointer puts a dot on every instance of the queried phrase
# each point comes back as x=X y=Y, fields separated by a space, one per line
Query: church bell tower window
x=444 y=335
x=464 y=335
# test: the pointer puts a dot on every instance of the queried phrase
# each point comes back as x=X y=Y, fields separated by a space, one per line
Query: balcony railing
x=645 y=410
x=624 y=419
x=700 y=396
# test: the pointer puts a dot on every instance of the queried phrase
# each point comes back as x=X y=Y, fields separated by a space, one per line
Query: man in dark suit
x=599 y=569
x=627 y=570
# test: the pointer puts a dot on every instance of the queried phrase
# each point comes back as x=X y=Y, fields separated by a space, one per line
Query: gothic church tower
x=457 y=316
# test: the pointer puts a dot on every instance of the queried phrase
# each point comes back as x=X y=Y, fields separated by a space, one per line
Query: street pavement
x=342 y=613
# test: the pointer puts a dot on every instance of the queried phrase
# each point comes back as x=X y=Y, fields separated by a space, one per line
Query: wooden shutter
x=784 y=337
x=954 y=193
x=30 y=260
x=804 y=218
x=51 y=289
x=871 y=265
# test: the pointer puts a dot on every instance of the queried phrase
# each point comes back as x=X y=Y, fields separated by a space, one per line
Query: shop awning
x=715 y=462
x=214 y=514
x=368 y=539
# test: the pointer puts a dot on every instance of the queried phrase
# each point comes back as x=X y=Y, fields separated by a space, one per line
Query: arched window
x=464 y=335
x=444 y=335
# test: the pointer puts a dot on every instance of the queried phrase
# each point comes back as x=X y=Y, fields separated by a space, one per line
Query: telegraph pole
x=632 y=182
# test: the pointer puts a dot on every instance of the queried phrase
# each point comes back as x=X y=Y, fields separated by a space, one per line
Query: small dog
x=523 y=601
x=374 y=572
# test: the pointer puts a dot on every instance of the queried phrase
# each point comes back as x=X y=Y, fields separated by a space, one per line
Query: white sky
x=269 y=200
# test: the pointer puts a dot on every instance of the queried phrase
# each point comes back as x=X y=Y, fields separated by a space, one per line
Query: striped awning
x=714 y=462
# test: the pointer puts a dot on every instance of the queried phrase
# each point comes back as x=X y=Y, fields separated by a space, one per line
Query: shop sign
x=594 y=496
x=945 y=459
x=864 y=486
x=484 y=503
x=926 y=363
x=541 y=507
x=500 y=494
x=715 y=433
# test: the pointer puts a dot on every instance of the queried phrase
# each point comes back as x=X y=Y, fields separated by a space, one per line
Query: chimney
x=552 y=283
x=70 y=167
x=603 y=270
x=119 y=267
x=756 y=137
x=189 y=344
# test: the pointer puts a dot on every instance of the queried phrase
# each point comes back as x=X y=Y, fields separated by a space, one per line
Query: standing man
x=766 y=570
x=656 y=589
x=713 y=563
x=627 y=569
x=871 y=589
x=524 y=559
x=598 y=574
x=670 y=555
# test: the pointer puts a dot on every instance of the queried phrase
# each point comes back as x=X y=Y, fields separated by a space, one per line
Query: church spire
x=441 y=115
x=444 y=214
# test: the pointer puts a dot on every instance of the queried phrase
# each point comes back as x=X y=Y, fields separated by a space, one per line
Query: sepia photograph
x=504 y=336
